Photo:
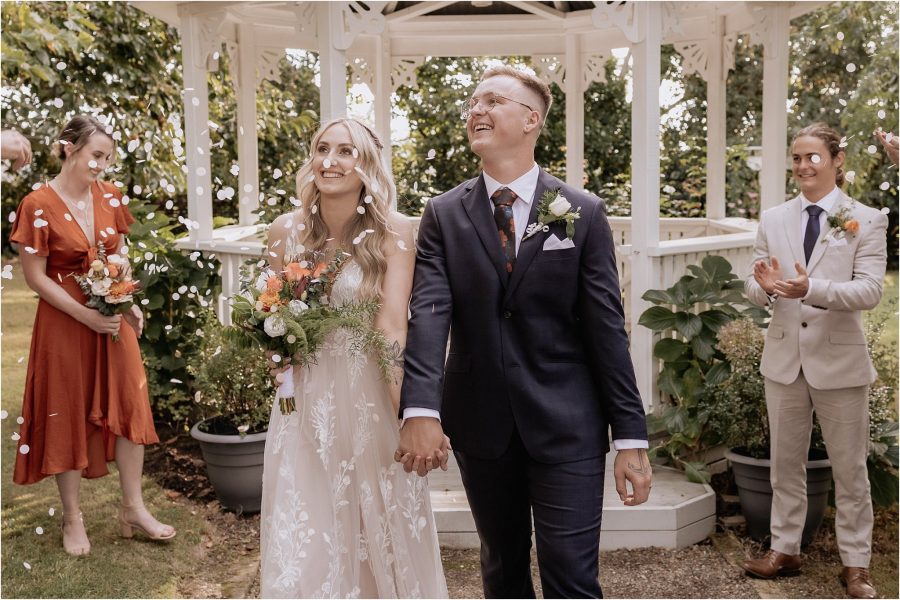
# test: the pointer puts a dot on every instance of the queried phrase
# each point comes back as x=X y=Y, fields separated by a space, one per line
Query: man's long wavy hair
x=377 y=183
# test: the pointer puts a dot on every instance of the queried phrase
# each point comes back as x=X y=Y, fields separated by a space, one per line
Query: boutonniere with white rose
x=553 y=208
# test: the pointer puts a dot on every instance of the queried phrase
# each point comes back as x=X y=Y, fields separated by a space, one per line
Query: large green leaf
x=658 y=318
x=718 y=373
x=658 y=297
x=688 y=324
x=884 y=484
x=715 y=319
x=696 y=471
x=669 y=349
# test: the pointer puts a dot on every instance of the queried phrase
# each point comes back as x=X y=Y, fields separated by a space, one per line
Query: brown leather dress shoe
x=773 y=564
x=858 y=582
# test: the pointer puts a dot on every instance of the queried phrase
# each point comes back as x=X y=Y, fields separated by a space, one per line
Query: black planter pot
x=234 y=465
x=754 y=485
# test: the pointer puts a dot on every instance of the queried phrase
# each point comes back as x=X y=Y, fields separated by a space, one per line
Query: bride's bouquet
x=288 y=313
x=108 y=284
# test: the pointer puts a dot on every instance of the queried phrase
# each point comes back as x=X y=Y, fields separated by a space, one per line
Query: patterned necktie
x=812 y=230
x=506 y=226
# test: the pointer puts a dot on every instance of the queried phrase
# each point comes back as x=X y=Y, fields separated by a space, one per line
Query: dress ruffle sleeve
x=31 y=231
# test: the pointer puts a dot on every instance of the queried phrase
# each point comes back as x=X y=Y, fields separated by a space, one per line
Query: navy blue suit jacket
x=542 y=349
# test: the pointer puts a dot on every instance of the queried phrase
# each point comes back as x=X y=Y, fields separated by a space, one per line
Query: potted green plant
x=737 y=413
x=234 y=391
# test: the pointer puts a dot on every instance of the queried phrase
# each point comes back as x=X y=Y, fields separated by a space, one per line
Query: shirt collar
x=524 y=186
x=827 y=203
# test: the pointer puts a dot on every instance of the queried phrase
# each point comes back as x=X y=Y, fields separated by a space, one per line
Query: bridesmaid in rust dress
x=86 y=399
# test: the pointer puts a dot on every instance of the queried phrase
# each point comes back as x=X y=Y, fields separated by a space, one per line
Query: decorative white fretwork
x=594 y=69
x=403 y=71
x=694 y=57
x=268 y=64
x=551 y=68
x=210 y=39
x=621 y=13
x=361 y=71
x=728 y=43
x=763 y=30
x=305 y=13
x=357 y=18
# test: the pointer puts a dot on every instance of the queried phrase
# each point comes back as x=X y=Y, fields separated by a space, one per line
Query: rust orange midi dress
x=82 y=388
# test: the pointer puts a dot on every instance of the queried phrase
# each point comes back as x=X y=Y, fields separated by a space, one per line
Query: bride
x=340 y=518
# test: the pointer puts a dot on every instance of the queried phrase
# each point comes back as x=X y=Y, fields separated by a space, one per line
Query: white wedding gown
x=341 y=519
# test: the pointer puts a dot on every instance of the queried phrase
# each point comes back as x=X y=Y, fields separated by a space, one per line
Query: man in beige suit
x=819 y=261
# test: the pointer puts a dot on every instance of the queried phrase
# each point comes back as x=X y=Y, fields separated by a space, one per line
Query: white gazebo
x=568 y=42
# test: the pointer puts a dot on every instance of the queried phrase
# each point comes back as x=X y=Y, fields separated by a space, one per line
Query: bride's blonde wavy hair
x=378 y=183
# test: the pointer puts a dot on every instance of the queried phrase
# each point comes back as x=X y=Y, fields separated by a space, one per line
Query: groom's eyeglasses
x=487 y=102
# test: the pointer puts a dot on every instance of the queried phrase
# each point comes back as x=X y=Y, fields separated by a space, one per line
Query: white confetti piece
x=851 y=67
x=92 y=164
x=276 y=174
x=195 y=101
x=51 y=511
x=22 y=358
x=61 y=66
x=815 y=159
x=133 y=145
x=881 y=114
x=15 y=436
x=840 y=35
x=194 y=255
x=668 y=189
x=872 y=149
x=169 y=204
x=12 y=217
x=356 y=241
x=39 y=530
x=314 y=209
x=401 y=244
x=6 y=274
x=201 y=171
x=368 y=199
x=361 y=210
x=173 y=380
x=36 y=186
x=58 y=102
x=20 y=420
x=889 y=137
x=27 y=565
x=289 y=103
x=885 y=186
x=431 y=154
x=199 y=190
x=885 y=210
x=3 y=414
x=24 y=449
x=39 y=212
x=312 y=177
x=30 y=250
x=326 y=163
x=355 y=153
x=850 y=176
x=145 y=302
x=81 y=205
x=38 y=223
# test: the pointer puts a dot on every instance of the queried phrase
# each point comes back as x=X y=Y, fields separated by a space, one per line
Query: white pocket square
x=837 y=242
x=554 y=243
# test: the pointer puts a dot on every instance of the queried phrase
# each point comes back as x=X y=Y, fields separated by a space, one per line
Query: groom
x=538 y=368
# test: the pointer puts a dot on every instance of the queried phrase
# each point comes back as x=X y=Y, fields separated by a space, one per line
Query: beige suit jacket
x=823 y=333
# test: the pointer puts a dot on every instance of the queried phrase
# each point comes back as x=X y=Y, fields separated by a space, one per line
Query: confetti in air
x=6 y=274
x=851 y=67
x=24 y=449
x=361 y=210
x=276 y=174
x=326 y=163
x=850 y=176
x=431 y=154
x=881 y=114
x=885 y=186
x=92 y=164
x=815 y=159
x=872 y=149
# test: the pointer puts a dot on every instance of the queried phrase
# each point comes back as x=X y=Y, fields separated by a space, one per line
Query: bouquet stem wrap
x=285 y=392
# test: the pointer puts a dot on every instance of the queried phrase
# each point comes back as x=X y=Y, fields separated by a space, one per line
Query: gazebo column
x=716 y=144
x=332 y=62
x=247 y=148
x=383 y=90
x=645 y=187
x=776 y=37
x=574 y=112
x=196 y=128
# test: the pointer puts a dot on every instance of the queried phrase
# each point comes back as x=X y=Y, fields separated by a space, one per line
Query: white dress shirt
x=524 y=188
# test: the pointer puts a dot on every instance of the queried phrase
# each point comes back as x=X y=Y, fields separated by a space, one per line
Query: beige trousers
x=844 y=417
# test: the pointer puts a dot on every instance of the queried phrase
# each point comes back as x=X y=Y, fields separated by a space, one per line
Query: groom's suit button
x=507 y=314
x=803 y=324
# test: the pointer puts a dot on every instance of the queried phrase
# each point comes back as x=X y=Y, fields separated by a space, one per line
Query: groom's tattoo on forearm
x=642 y=467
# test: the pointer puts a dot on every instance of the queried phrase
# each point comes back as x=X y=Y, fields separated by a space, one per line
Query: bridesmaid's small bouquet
x=108 y=284
x=288 y=313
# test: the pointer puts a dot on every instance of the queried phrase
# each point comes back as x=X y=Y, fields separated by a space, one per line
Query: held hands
x=633 y=465
x=423 y=446
x=769 y=278
x=101 y=323
x=135 y=318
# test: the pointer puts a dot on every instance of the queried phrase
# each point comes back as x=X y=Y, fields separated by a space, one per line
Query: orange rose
x=274 y=284
x=122 y=288
x=268 y=299
x=113 y=270
x=294 y=272
x=852 y=226
x=318 y=270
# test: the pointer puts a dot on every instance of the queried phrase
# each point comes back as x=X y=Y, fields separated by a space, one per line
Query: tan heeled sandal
x=72 y=549
x=127 y=528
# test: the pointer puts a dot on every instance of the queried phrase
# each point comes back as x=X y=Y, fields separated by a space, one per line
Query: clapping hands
x=769 y=277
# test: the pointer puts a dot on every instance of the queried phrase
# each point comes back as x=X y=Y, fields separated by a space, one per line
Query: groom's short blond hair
x=532 y=82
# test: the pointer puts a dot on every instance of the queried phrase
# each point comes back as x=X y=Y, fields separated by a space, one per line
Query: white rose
x=559 y=206
x=275 y=326
x=100 y=287
x=261 y=280
x=297 y=306
x=97 y=265
x=115 y=259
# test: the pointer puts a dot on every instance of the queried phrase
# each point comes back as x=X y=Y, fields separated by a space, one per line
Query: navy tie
x=812 y=230
x=506 y=226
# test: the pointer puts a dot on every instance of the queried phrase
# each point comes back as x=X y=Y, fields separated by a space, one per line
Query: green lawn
x=116 y=568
